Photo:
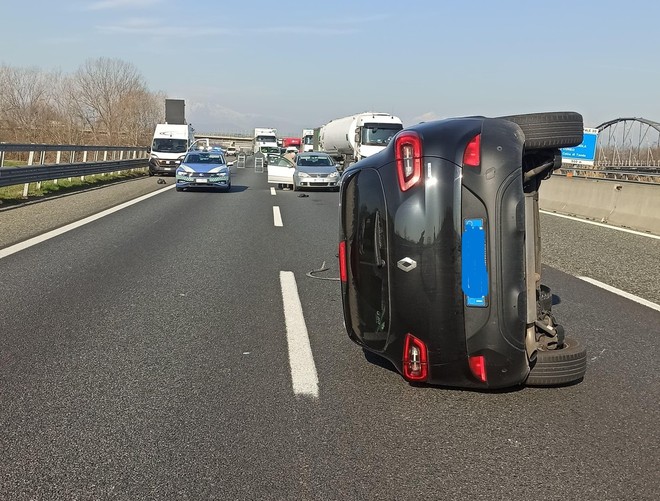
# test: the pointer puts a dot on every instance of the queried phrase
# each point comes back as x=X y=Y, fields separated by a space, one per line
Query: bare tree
x=105 y=102
x=25 y=102
x=143 y=110
x=100 y=86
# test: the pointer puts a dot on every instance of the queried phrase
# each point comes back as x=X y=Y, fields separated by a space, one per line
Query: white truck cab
x=264 y=137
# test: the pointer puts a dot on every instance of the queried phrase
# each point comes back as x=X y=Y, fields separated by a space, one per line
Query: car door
x=281 y=171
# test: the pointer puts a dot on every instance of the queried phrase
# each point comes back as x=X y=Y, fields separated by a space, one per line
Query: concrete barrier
x=631 y=205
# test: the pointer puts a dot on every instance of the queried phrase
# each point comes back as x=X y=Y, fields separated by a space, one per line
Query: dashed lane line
x=272 y=191
x=277 y=216
x=301 y=361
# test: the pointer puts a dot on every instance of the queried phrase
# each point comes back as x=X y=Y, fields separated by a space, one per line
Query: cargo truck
x=353 y=138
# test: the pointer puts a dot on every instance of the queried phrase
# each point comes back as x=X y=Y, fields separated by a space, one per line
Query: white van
x=169 y=146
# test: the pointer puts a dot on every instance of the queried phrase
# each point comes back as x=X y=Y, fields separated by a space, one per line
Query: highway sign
x=584 y=153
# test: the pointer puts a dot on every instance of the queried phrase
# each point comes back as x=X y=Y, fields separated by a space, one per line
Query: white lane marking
x=595 y=223
x=277 y=217
x=8 y=251
x=301 y=361
x=625 y=294
x=272 y=191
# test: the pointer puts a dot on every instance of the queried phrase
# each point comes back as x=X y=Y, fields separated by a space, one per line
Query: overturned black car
x=439 y=253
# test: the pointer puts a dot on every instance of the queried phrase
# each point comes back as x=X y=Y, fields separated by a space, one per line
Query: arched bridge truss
x=628 y=142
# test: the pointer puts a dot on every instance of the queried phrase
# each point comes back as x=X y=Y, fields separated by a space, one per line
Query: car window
x=282 y=162
x=205 y=158
x=314 y=161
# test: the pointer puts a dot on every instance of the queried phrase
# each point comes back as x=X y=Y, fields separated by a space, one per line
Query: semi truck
x=355 y=137
x=307 y=140
x=264 y=137
x=169 y=146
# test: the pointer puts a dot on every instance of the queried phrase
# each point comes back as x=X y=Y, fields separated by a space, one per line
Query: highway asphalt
x=146 y=355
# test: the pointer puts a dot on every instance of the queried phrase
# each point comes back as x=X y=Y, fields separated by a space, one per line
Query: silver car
x=315 y=170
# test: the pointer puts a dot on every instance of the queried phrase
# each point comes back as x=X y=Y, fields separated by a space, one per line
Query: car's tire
x=151 y=174
x=557 y=367
x=179 y=189
x=560 y=129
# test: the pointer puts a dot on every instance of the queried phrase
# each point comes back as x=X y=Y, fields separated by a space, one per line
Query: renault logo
x=406 y=264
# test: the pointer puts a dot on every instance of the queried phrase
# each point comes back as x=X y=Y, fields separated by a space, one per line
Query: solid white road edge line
x=272 y=191
x=621 y=293
x=301 y=361
x=12 y=249
x=277 y=217
x=595 y=223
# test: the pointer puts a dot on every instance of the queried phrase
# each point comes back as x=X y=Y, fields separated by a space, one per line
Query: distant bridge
x=628 y=142
x=238 y=140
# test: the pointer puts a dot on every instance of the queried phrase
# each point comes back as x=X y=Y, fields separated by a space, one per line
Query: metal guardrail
x=643 y=175
x=102 y=159
x=10 y=176
x=64 y=147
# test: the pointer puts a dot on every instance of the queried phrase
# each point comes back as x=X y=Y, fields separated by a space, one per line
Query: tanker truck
x=353 y=138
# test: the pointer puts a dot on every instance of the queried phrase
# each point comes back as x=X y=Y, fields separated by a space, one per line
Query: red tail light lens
x=472 y=154
x=415 y=359
x=408 y=154
x=478 y=367
x=343 y=273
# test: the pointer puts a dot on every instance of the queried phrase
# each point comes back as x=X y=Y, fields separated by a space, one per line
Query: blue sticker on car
x=474 y=266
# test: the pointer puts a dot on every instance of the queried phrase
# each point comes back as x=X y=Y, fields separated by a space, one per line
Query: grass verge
x=14 y=194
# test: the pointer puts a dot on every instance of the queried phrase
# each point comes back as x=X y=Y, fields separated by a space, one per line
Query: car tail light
x=478 y=367
x=415 y=359
x=343 y=273
x=408 y=154
x=472 y=154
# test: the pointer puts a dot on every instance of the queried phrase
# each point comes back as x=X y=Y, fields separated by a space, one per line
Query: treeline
x=105 y=102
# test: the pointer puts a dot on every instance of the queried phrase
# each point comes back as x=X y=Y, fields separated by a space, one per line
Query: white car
x=231 y=151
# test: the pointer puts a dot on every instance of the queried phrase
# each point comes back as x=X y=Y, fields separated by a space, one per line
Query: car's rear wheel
x=560 y=129
x=559 y=366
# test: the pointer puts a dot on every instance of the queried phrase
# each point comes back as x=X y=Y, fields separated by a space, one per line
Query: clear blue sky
x=241 y=64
